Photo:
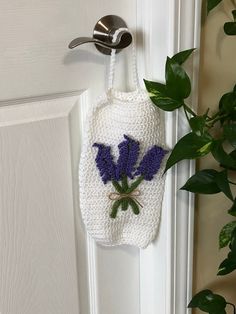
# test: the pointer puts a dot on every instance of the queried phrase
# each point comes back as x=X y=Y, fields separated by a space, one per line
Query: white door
x=48 y=263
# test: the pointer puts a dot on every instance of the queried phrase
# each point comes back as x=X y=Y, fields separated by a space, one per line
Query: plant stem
x=206 y=114
x=212 y=122
x=186 y=114
x=232 y=306
x=189 y=110
x=215 y=115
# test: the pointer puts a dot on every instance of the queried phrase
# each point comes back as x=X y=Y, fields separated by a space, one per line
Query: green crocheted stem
x=125 y=202
x=115 y=207
x=117 y=186
x=134 y=206
x=134 y=185
x=124 y=183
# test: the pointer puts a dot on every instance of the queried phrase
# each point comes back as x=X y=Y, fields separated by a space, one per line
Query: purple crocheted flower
x=129 y=151
x=151 y=162
x=105 y=163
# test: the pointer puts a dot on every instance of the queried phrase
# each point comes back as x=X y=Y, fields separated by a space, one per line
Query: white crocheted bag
x=121 y=167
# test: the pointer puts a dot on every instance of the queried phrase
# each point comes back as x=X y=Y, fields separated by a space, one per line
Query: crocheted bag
x=121 y=167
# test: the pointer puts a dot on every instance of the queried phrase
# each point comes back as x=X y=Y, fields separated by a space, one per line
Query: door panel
x=113 y=272
x=48 y=263
x=35 y=59
x=38 y=263
x=118 y=280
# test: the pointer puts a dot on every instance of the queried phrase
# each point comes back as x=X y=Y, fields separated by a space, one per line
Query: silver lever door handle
x=124 y=39
x=103 y=35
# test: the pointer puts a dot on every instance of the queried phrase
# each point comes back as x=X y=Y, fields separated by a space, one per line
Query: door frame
x=166 y=267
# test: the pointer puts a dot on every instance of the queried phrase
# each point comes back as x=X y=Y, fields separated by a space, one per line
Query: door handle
x=103 y=35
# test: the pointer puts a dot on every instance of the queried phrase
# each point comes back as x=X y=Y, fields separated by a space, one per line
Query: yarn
x=115 y=114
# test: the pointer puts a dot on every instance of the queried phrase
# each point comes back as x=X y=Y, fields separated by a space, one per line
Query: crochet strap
x=113 y=61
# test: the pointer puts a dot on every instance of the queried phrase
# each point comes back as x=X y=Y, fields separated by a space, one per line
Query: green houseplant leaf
x=233 y=242
x=227 y=106
x=230 y=28
x=226 y=234
x=230 y=133
x=232 y=210
x=154 y=87
x=199 y=143
x=182 y=56
x=198 y=124
x=229 y=264
x=208 y=302
x=221 y=156
x=209 y=181
x=233 y=157
x=211 y=4
x=177 y=81
x=159 y=96
x=203 y=182
x=223 y=183
x=228 y=102
x=190 y=146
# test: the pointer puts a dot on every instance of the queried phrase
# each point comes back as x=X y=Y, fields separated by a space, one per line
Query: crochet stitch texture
x=118 y=113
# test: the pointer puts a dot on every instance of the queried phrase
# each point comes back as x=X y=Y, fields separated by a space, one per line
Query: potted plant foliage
x=210 y=133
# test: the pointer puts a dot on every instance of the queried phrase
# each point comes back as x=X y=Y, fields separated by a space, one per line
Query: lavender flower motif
x=105 y=163
x=151 y=163
x=129 y=151
x=126 y=191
